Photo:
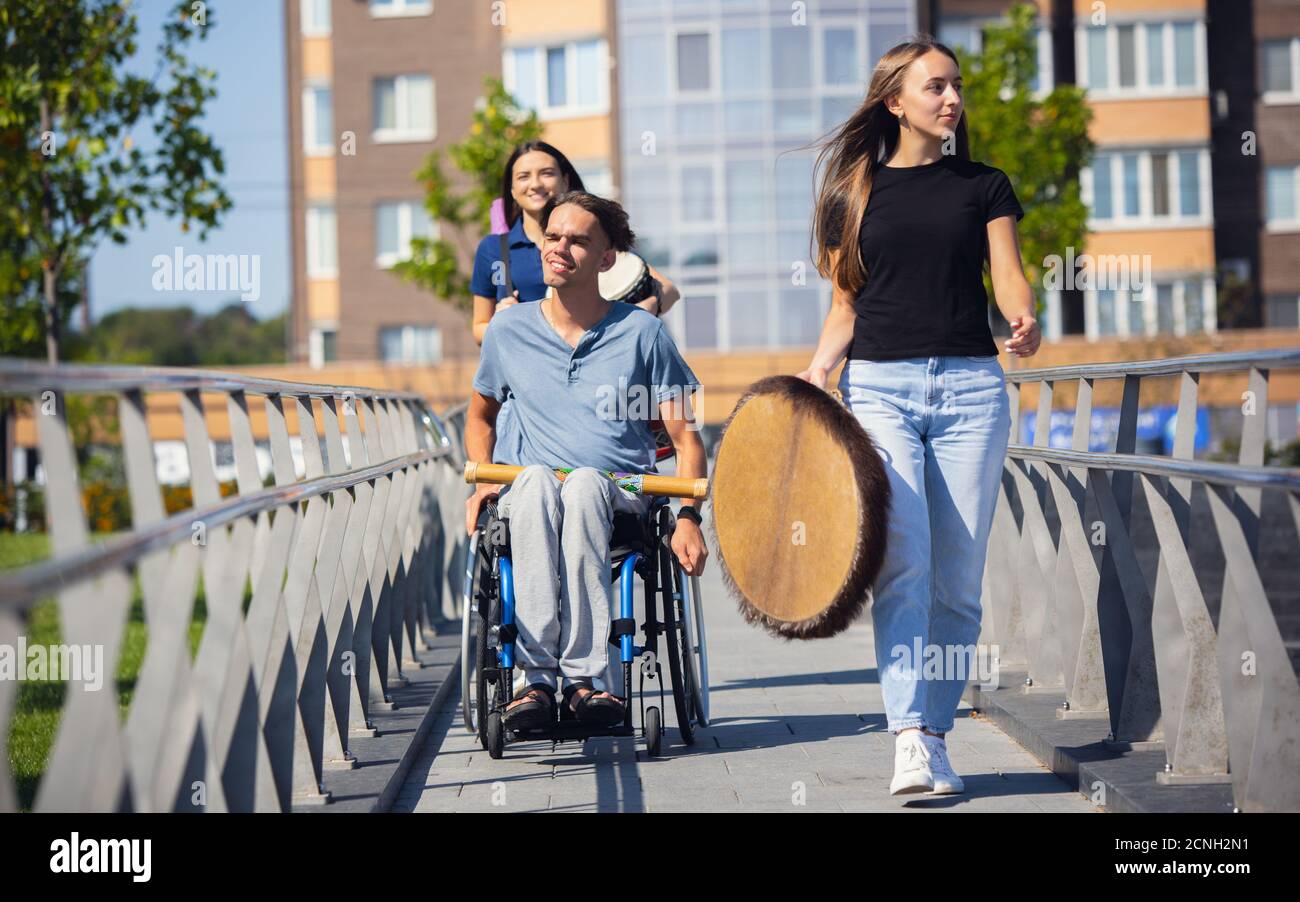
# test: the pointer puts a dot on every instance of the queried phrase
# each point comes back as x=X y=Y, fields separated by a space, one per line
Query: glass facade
x=721 y=103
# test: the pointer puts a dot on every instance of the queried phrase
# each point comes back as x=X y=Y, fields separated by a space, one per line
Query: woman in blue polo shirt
x=534 y=173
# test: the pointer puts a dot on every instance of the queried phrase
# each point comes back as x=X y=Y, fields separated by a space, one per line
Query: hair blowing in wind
x=850 y=158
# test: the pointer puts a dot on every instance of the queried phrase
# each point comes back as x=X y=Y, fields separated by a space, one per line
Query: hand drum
x=800 y=500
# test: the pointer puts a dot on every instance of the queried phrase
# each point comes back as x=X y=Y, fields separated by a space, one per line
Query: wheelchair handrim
x=467 y=653
x=697 y=650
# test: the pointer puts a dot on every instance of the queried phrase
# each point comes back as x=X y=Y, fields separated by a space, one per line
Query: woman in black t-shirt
x=904 y=223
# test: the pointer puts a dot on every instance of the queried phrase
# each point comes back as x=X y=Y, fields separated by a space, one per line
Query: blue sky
x=245 y=47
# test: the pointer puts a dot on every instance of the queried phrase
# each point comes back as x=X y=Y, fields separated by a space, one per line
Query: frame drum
x=800 y=501
x=627 y=280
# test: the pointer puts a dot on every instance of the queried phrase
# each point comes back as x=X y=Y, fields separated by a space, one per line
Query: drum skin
x=628 y=280
x=800 y=502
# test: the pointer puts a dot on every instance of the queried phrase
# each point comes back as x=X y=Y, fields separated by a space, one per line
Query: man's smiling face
x=575 y=249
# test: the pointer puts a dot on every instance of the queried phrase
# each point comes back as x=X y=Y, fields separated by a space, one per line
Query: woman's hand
x=508 y=301
x=815 y=375
x=688 y=544
x=654 y=303
x=1025 y=336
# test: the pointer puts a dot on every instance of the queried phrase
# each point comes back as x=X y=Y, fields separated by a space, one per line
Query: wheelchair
x=639 y=547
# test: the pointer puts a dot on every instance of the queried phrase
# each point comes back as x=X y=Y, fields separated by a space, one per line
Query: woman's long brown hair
x=850 y=158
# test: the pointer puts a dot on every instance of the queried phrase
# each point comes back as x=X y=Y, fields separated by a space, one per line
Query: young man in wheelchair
x=586 y=376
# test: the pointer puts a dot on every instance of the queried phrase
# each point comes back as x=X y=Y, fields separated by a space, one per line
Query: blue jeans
x=941 y=425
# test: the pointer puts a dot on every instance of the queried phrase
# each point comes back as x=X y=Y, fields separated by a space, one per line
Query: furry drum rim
x=800 y=503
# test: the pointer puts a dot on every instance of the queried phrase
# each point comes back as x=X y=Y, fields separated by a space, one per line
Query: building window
x=315 y=16
x=1282 y=311
x=1136 y=322
x=1136 y=189
x=410 y=344
x=404 y=108
x=883 y=38
x=840 y=57
x=395 y=225
x=1176 y=307
x=566 y=80
x=317 y=121
x=322 y=242
x=1105 y=307
x=741 y=53
x=800 y=312
x=747 y=316
x=1279 y=70
x=1142 y=59
x=693 y=62
x=1281 y=190
x=380 y=8
x=322 y=346
x=794 y=190
x=597 y=176
x=701 y=326
x=968 y=33
x=791 y=58
x=697 y=194
x=644 y=54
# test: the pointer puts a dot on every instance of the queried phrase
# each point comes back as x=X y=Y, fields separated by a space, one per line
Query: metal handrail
x=1068 y=595
x=1157 y=465
x=21 y=589
x=353 y=554
x=18 y=375
x=1195 y=363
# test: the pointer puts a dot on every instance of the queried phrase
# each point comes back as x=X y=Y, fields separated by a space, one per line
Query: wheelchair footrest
x=567 y=730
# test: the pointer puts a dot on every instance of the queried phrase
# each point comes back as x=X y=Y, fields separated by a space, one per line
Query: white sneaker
x=946 y=781
x=911 y=765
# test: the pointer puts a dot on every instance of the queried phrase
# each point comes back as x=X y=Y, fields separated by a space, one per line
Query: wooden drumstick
x=637 y=483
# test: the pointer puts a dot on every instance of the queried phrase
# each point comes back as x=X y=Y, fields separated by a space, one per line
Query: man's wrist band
x=688 y=512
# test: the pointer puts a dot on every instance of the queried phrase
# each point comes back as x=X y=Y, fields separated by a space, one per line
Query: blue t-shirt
x=489 y=278
x=588 y=406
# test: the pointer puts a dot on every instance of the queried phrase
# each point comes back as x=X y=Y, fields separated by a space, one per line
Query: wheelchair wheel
x=496 y=739
x=654 y=732
x=672 y=578
x=488 y=605
x=481 y=653
x=469 y=657
x=697 y=654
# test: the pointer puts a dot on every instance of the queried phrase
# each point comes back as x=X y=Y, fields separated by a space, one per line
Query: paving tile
x=783 y=714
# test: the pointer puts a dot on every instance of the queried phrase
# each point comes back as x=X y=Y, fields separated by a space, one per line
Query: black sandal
x=605 y=712
x=531 y=713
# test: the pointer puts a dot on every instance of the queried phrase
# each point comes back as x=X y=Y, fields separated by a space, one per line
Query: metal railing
x=319 y=589
x=1067 y=600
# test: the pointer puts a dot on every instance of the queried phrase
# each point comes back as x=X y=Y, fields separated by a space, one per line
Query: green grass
x=35 y=721
x=20 y=549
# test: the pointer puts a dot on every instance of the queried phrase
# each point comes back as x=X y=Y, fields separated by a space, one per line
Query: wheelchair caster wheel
x=495 y=735
x=654 y=732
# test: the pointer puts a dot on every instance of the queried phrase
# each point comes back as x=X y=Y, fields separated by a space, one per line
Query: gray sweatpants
x=559 y=546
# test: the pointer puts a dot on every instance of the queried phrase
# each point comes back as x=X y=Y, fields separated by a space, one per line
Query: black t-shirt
x=923 y=241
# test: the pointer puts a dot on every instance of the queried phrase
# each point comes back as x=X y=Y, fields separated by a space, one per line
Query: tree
x=499 y=126
x=71 y=171
x=1040 y=144
x=177 y=336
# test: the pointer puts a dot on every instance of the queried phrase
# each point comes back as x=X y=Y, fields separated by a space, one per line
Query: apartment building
x=719 y=104
x=1276 y=25
x=1150 y=191
x=374 y=86
x=701 y=116
x=556 y=60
